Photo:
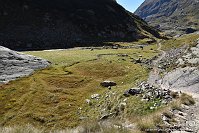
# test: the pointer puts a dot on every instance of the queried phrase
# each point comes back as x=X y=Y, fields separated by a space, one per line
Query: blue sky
x=130 y=5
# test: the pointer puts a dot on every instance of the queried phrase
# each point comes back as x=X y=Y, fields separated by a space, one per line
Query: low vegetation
x=145 y=123
x=51 y=97
x=187 y=99
x=54 y=99
x=189 y=40
x=150 y=122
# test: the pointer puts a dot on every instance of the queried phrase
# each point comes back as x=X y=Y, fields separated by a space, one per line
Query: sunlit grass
x=188 y=40
x=51 y=97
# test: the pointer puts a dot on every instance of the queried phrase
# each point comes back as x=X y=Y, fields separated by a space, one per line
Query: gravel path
x=154 y=76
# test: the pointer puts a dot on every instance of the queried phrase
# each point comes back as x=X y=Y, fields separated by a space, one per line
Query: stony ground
x=182 y=79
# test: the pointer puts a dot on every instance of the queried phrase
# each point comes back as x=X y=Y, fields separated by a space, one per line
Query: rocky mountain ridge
x=171 y=15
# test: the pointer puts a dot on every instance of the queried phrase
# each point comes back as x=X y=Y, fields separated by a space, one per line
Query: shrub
x=187 y=99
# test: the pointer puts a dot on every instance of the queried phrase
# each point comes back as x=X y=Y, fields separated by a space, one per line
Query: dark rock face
x=133 y=91
x=45 y=24
x=190 y=30
x=170 y=15
x=108 y=83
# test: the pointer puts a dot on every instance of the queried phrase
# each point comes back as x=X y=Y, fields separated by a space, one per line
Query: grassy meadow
x=55 y=98
x=52 y=97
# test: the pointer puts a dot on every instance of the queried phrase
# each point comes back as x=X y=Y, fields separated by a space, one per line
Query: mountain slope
x=43 y=24
x=171 y=15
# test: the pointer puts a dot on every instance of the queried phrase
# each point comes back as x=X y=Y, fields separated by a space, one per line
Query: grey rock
x=180 y=61
x=14 y=65
x=109 y=87
x=185 y=107
x=191 y=57
x=123 y=55
x=149 y=94
x=88 y=101
x=164 y=118
x=182 y=113
x=108 y=83
x=179 y=132
x=83 y=118
x=184 y=79
x=95 y=96
x=132 y=91
x=122 y=106
x=165 y=102
x=168 y=97
x=105 y=116
x=128 y=126
x=152 y=108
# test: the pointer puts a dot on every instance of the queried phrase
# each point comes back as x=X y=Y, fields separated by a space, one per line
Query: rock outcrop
x=191 y=57
x=186 y=76
x=14 y=65
x=47 y=24
x=186 y=79
x=172 y=16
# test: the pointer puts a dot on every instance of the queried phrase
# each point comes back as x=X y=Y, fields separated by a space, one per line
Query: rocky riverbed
x=14 y=64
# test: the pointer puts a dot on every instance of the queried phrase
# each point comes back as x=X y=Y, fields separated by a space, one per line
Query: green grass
x=51 y=97
x=69 y=57
x=144 y=41
x=90 y=128
x=188 y=40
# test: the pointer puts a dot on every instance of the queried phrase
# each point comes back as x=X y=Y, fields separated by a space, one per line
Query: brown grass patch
x=101 y=69
x=66 y=81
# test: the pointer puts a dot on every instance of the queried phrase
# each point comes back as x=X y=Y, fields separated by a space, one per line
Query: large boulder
x=132 y=91
x=108 y=83
x=14 y=65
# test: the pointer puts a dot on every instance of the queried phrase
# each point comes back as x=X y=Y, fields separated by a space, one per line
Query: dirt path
x=154 y=76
